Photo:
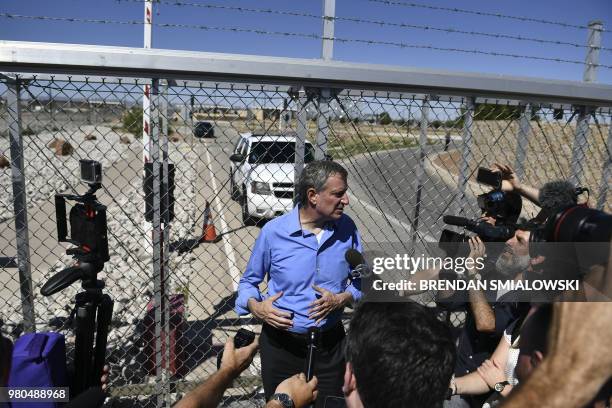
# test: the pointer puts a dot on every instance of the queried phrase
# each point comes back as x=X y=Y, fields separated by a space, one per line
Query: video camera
x=572 y=224
x=504 y=207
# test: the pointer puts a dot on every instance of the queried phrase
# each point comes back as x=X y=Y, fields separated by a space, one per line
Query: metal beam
x=137 y=62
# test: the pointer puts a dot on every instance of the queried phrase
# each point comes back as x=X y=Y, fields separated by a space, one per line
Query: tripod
x=93 y=311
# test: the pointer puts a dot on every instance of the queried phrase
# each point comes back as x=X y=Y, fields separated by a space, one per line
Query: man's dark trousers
x=284 y=354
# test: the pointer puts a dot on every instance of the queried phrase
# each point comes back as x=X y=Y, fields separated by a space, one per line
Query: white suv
x=262 y=174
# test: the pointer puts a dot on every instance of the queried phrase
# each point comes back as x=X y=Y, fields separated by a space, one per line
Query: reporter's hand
x=491 y=373
x=266 y=311
x=301 y=392
x=104 y=378
x=510 y=181
x=237 y=360
x=477 y=250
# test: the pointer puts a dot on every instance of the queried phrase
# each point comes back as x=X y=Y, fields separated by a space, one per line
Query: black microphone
x=355 y=259
x=459 y=221
x=485 y=230
x=313 y=338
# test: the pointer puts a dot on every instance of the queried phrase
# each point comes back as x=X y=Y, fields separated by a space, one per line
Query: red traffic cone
x=209 y=233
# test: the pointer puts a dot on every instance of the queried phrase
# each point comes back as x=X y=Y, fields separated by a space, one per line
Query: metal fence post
x=157 y=278
x=302 y=131
x=165 y=243
x=606 y=173
x=19 y=203
x=322 y=124
x=581 y=144
x=591 y=61
x=329 y=14
x=466 y=153
x=420 y=171
x=522 y=141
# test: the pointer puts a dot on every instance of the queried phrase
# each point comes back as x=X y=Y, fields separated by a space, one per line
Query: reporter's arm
x=579 y=361
x=530 y=193
x=210 y=393
x=484 y=316
x=470 y=384
x=511 y=182
x=551 y=389
x=473 y=383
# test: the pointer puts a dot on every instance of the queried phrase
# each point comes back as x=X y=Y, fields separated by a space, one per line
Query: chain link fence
x=411 y=158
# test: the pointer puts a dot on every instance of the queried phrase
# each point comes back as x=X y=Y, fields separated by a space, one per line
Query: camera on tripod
x=93 y=309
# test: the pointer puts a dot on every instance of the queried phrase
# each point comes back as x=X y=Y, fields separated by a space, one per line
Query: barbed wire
x=365 y=21
x=482 y=13
x=474 y=33
x=305 y=35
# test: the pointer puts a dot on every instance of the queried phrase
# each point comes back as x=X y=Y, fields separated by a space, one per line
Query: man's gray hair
x=315 y=175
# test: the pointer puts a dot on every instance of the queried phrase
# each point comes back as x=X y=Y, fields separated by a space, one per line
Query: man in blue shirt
x=309 y=282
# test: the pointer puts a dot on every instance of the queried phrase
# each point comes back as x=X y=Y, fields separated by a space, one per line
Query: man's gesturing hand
x=265 y=311
x=320 y=308
x=300 y=391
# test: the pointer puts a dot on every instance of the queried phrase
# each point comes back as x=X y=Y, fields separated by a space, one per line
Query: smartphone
x=243 y=338
x=490 y=178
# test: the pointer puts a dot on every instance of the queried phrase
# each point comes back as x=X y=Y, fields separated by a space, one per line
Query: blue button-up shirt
x=294 y=261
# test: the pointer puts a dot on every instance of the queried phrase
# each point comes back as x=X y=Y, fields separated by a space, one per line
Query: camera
x=505 y=207
x=87 y=218
x=88 y=232
x=91 y=172
x=93 y=309
x=574 y=224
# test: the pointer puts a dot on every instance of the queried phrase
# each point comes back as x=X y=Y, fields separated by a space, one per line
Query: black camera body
x=88 y=229
x=503 y=206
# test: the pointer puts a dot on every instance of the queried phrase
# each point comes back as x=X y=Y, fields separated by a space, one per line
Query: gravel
x=129 y=272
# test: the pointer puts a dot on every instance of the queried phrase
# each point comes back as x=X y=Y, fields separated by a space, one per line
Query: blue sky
x=568 y=11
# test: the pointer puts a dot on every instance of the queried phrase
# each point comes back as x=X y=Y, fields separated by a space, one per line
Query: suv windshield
x=277 y=152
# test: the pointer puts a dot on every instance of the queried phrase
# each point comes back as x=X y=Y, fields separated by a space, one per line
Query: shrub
x=385 y=118
x=27 y=131
x=132 y=121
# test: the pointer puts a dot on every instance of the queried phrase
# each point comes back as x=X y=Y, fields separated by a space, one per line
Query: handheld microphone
x=355 y=259
x=313 y=338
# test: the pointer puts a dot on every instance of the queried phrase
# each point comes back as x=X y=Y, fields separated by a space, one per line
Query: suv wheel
x=247 y=219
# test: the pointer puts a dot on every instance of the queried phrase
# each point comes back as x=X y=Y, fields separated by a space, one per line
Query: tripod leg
x=105 y=312
x=85 y=316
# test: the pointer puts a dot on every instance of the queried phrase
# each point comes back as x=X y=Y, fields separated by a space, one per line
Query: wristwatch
x=499 y=387
x=284 y=399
